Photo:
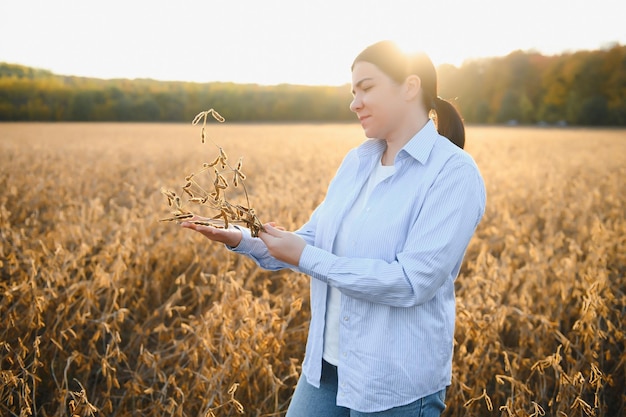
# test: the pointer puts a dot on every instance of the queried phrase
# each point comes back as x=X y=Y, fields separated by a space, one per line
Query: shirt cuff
x=245 y=244
x=316 y=262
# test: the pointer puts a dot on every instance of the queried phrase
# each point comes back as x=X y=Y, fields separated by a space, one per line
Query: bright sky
x=309 y=42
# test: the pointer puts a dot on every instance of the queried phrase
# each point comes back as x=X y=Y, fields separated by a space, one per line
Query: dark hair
x=396 y=64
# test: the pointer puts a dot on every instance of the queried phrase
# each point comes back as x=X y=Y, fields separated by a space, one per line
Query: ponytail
x=449 y=121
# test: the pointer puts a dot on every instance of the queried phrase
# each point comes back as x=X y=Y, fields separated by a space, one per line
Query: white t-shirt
x=331 y=331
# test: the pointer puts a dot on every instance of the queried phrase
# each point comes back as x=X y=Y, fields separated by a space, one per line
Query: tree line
x=578 y=88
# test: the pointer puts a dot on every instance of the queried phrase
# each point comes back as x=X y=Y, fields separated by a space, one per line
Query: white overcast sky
x=288 y=41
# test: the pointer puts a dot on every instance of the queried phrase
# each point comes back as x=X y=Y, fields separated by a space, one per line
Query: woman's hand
x=282 y=245
x=230 y=237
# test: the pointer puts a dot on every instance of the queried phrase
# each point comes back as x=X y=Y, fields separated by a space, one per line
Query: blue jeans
x=308 y=401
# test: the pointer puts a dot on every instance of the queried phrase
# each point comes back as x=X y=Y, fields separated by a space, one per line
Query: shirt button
x=346 y=318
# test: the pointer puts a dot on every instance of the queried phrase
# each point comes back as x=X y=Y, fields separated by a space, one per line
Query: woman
x=383 y=249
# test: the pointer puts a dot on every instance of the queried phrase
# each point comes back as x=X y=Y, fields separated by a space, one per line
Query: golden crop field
x=106 y=311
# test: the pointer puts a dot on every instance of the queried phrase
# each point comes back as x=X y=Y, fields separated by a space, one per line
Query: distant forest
x=585 y=88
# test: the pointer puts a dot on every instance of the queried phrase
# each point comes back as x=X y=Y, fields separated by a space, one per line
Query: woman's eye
x=363 y=89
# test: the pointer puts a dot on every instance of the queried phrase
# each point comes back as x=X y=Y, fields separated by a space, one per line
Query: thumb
x=276 y=226
x=271 y=230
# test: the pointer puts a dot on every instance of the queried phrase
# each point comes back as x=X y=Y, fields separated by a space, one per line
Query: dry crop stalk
x=228 y=213
x=232 y=400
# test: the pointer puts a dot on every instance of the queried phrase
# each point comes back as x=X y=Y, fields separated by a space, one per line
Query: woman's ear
x=412 y=87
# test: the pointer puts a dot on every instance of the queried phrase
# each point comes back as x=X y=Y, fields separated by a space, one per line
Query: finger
x=199 y=227
x=271 y=230
x=276 y=226
x=189 y=223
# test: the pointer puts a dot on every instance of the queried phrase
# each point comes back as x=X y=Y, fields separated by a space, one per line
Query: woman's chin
x=369 y=133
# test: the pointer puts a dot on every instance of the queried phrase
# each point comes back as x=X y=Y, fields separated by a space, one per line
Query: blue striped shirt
x=397 y=278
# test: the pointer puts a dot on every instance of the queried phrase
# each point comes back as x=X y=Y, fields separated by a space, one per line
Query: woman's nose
x=356 y=104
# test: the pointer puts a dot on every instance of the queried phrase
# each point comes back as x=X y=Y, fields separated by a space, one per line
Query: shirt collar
x=371 y=147
x=419 y=147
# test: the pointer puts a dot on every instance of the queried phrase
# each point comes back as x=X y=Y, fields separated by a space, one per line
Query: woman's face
x=377 y=101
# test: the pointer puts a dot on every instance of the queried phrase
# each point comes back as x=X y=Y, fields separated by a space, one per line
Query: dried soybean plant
x=214 y=196
x=231 y=392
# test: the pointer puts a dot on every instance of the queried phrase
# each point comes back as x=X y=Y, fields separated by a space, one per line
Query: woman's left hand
x=282 y=245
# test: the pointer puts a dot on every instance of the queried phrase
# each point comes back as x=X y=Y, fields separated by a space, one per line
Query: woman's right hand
x=230 y=237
